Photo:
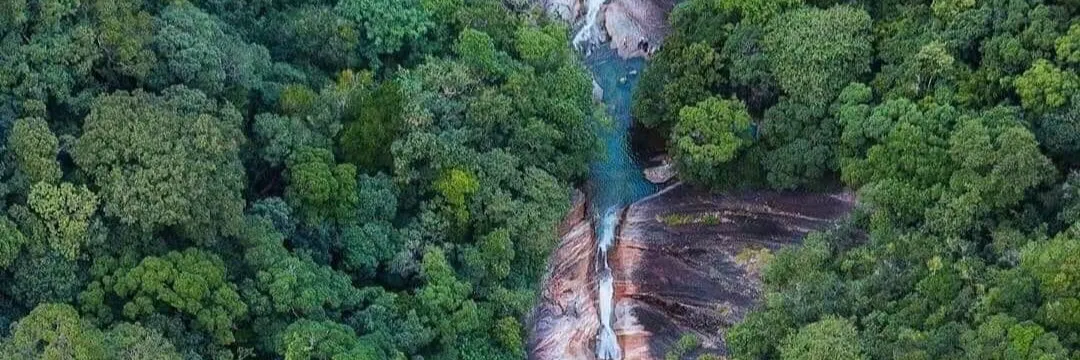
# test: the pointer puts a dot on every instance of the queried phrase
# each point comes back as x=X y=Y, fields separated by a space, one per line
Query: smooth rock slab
x=676 y=267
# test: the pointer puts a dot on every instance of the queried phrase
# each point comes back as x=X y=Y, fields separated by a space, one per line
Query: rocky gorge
x=637 y=268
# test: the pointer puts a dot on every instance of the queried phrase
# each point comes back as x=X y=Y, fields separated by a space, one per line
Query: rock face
x=636 y=27
x=567 y=10
x=687 y=261
x=564 y=322
x=628 y=25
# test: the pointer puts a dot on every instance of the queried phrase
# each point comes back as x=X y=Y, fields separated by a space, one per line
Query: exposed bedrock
x=685 y=260
x=565 y=322
x=627 y=25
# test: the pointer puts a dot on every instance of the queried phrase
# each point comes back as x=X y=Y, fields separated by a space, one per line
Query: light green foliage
x=709 y=135
x=65 y=210
x=444 y=299
x=477 y=50
x=544 y=47
x=168 y=160
x=1044 y=87
x=191 y=282
x=1058 y=278
x=757 y=11
x=1003 y=337
x=685 y=344
x=292 y=284
x=127 y=341
x=815 y=53
x=950 y=9
x=320 y=188
x=54 y=332
x=830 y=338
x=492 y=256
x=313 y=340
x=35 y=149
x=456 y=186
x=1068 y=46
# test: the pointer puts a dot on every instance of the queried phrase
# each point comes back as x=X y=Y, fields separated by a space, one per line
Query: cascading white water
x=617 y=178
x=591 y=14
x=607 y=344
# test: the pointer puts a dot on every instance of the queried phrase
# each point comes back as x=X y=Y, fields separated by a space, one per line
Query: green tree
x=168 y=160
x=35 y=149
x=386 y=25
x=65 y=210
x=125 y=33
x=456 y=186
x=11 y=242
x=127 y=341
x=1044 y=87
x=191 y=282
x=815 y=53
x=323 y=340
x=194 y=49
x=1002 y=337
x=54 y=331
x=708 y=136
x=372 y=121
x=319 y=188
x=829 y=338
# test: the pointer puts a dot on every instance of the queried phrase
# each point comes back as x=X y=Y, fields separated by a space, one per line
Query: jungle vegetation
x=956 y=123
x=281 y=179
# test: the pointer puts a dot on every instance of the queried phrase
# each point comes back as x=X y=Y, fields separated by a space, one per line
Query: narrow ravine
x=616 y=179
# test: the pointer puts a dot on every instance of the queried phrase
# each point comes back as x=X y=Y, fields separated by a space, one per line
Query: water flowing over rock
x=687 y=261
x=633 y=28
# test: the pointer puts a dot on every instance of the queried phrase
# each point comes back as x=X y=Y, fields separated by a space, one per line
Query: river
x=616 y=178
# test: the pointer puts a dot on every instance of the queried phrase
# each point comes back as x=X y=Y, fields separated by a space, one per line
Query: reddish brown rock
x=685 y=261
x=564 y=322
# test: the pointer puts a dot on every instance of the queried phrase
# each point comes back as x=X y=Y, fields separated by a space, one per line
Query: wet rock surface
x=686 y=261
x=564 y=322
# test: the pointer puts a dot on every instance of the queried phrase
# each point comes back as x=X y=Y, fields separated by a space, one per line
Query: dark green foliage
x=372 y=121
x=408 y=165
x=954 y=130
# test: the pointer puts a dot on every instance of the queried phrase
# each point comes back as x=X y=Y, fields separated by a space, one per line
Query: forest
x=281 y=179
x=956 y=123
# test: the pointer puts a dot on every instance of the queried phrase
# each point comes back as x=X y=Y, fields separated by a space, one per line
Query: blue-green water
x=616 y=179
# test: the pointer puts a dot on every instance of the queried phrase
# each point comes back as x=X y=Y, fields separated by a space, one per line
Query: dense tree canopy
x=955 y=123
x=210 y=179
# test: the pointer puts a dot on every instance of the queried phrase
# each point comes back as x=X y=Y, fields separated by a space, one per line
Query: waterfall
x=589 y=29
x=607 y=344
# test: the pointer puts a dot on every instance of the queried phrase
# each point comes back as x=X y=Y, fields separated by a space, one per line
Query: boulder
x=661 y=174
